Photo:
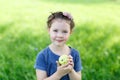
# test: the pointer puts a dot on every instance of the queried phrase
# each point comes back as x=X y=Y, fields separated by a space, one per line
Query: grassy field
x=23 y=34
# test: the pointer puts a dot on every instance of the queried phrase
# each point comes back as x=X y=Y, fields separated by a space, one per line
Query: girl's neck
x=59 y=50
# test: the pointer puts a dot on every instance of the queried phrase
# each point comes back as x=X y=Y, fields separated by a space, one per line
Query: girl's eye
x=55 y=30
x=65 y=31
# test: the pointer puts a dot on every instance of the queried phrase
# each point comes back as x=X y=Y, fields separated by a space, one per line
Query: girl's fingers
x=70 y=57
x=71 y=60
x=64 y=65
x=69 y=67
x=71 y=63
x=58 y=64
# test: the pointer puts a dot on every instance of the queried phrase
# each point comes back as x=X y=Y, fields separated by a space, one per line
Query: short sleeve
x=40 y=62
x=77 y=62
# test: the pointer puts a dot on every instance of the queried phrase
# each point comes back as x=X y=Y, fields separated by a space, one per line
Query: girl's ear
x=48 y=30
x=71 y=31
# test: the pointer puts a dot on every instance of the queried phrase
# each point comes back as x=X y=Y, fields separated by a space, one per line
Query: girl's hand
x=71 y=61
x=65 y=69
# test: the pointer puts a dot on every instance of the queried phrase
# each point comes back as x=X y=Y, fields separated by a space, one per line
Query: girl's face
x=59 y=32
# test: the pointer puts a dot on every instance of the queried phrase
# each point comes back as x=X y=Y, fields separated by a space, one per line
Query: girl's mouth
x=59 y=40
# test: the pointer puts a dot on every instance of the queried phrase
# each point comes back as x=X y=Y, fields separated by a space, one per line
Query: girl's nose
x=60 y=34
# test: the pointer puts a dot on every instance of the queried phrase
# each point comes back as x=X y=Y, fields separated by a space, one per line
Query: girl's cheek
x=66 y=38
x=53 y=37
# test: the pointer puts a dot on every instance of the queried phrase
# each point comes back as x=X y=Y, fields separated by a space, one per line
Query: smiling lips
x=59 y=40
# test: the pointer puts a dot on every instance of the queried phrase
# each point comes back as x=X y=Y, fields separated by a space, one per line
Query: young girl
x=60 y=25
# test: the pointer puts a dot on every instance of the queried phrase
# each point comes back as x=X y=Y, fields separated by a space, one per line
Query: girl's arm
x=42 y=75
x=75 y=75
x=61 y=71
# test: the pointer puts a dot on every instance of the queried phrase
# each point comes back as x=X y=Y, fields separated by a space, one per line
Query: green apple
x=63 y=59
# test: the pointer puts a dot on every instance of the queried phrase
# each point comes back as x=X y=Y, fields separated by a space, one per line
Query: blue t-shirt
x=46 y=60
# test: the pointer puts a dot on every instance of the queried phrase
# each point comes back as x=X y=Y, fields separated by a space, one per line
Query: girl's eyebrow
x=65 y=30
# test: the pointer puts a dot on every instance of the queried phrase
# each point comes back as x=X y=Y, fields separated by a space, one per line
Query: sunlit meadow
x=23 y=33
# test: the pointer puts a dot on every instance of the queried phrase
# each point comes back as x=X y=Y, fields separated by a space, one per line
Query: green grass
x=23 y=34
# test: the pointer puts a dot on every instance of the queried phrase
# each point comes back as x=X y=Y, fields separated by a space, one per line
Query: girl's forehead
x=58 y=20
x=60 y=24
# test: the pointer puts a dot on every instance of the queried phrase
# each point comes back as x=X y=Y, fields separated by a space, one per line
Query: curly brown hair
x=60 y=15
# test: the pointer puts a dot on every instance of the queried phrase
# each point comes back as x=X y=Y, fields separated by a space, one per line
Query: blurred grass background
x=23 y=34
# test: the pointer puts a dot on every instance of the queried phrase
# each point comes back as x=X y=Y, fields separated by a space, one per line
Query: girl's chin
x=59 y=45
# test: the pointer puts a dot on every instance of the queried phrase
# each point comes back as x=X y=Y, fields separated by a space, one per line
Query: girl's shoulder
x=74 y=52
x=46 y=53
x=43 y=51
